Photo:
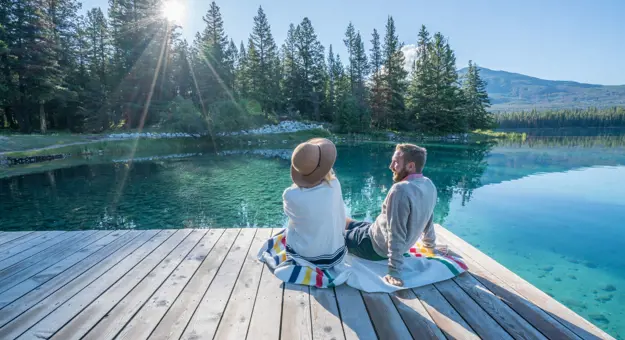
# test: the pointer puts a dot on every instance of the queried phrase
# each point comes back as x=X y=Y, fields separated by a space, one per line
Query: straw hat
x=311 y=161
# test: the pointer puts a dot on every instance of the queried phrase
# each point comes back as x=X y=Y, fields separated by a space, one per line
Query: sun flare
x=173 y=10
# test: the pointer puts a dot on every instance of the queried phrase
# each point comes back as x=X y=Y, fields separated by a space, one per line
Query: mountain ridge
x=511 y=91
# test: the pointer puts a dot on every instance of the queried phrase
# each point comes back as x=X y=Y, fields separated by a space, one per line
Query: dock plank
x=92 y=308
x=21 y=298
x=173 y=324
x=25 y=250
x=483 y=324
x=326 y=319
x=44 y=260
x=386 y=320
x=206 y=318
x=547 y=325
x=117 y=317
x=236 y=319
x=354 y=315
x=512 y=322
x=8 y=237
x=444 y=315
x=30 y=238
x=415 y=316
x=33 y=277
x=146 y=319
x=50 y=314
x=296 y=316
x=267 y=308
x=578 y=325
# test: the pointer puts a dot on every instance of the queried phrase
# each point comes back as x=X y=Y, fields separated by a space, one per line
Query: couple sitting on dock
x=321 y=246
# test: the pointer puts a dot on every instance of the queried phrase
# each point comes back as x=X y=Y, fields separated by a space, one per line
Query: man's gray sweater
x=406 y=215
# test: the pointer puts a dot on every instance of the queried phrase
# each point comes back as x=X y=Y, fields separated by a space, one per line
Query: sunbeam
x=144 y=113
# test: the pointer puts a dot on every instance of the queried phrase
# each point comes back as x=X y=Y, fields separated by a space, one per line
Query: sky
x=578 y=40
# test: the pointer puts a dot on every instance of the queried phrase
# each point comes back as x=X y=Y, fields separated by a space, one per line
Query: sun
x=173 y=10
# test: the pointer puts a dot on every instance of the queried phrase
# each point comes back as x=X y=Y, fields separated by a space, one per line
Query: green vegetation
x=44 y=145
x=490 y=134
x=566 y=118
x=131 y=70
x=26 y=142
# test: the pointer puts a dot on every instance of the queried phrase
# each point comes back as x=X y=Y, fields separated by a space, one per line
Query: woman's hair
x=329 y=177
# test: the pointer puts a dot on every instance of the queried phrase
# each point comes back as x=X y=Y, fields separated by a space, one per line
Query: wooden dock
x=207 y=284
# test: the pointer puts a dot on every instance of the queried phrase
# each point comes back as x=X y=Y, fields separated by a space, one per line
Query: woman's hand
x=395 y=281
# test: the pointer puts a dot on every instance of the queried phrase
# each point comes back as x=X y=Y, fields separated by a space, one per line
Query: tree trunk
x=42 y=118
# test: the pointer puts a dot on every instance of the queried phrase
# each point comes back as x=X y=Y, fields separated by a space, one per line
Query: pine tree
x=378 y=110
x=435 y=99
x=182 y=77
x=8 y=88
x=291 y=74
x=421 y=89
x=311 y=68
x=350 y=37
x=231 y=60
x=253 y=67
x=39 y=74
x=447 y=98
x=212 y=74
x=94 y=91
x=476 y=99
x=331 y=102
x=358 y=67
x=241 y=73
x=394 y=78
x=264 y=69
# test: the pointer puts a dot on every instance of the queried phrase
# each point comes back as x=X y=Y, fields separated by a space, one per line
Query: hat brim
x=326 y=162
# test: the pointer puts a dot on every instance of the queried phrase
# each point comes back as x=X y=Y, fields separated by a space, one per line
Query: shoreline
x=279 y=134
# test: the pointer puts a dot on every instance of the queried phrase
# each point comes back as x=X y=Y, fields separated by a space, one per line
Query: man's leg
x=358 y=241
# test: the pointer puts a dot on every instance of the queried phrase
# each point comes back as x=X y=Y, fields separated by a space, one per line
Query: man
x=406 y=215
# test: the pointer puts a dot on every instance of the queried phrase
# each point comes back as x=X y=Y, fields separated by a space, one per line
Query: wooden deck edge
x=523 y=288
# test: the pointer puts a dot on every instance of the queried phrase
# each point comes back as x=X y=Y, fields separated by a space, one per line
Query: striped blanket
x=421 y=267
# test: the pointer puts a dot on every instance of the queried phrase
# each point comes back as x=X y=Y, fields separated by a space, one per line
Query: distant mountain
x=512 y=91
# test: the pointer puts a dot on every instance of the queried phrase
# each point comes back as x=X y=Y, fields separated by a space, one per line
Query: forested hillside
x=131 y=69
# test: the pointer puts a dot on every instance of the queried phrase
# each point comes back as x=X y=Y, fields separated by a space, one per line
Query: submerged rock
x=604 y=298
x=609 y=288
x=573 y=260
x=600 y=318
x=575 y=304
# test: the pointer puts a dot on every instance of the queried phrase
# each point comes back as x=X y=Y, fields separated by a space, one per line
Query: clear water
x=550 y=209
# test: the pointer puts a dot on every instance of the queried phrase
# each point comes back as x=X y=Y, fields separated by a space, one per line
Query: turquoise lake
x=549 y=209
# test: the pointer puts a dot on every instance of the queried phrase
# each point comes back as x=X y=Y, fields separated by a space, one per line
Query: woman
x=314 y=206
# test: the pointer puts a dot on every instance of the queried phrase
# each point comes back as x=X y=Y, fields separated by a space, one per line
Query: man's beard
x=398 y=176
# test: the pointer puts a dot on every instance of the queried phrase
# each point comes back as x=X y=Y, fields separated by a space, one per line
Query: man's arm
x=429 y=234
x=397 y=211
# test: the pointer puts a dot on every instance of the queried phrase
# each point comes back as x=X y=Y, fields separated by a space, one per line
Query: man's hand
x=395 y=281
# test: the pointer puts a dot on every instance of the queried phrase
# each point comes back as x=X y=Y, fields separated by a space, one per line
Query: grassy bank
x=19 y=142
x=42 y=145
x=66 y=143
x=490 y=134
x=476 y=135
